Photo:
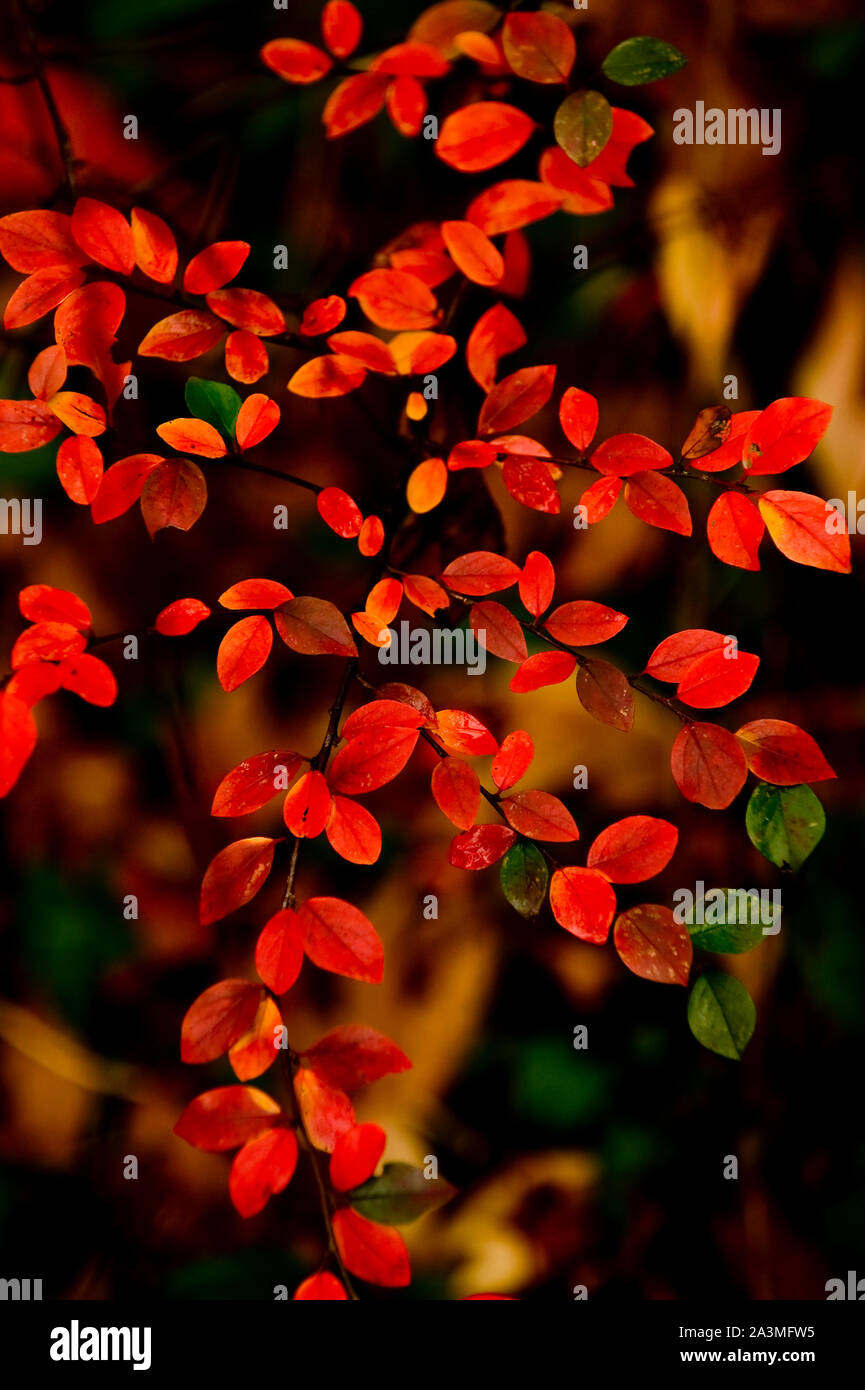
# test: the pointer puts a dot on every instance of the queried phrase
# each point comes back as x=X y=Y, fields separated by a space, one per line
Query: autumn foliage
x=80 y=266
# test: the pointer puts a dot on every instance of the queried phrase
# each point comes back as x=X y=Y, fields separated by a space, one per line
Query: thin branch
x=61 y=134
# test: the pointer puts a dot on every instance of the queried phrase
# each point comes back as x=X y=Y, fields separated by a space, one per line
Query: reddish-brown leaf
x=782 y=753
x=584 y=623
x=633 y=849
x=227 y=1117
x=354 y=1055
x=174 y=494
x=314 y=627
x=218 y=1017
x=338 y=937
x=516 y=398
x=605 y=692
x=653 y=944
x=540 y=816
x=498 y=631
x=234 y=876
x=708 y=765
x=539 y=47
x=658 y=501
x=480 y=572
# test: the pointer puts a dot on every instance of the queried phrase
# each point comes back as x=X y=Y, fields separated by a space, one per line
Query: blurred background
x=602 y=1167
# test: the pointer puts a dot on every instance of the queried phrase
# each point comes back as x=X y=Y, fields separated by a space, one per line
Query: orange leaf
x=383 y=601
x=314 y=627
x=322 y=315
x=243 y=650
x=255 y=1051
x=654 y=945
x=584 y=623
x=214 y=266
x=190 y=436
x=255 y=593
x=296 y=61
x=227 y=1117
x=327 y=1112
x=544 y=668
x=340 y=938
x=78 y=412
x=579 y=190
x=234 y=876
x=257 y=418
x=182 y=336
x=154 y=246
x=482 y=135
x=328 y=376
x=496 y=333
x=374 y=1253
x=395 y=299
x=633 y=849
x=512 y=204
x=425 y=593
x=104 y=235
x=26 y=425
x=174 y=494
x=799 y=524
x=461 y=732
x=540 y=816
x=427 y=485
x=371 y=538
x=354 y=101
x=473 y=252
x=80 y=469
x=263 y=1167
x=34 y=240
x=539 y=47
x=254 y=782
x=583 y=902
x=279 y=951
x=39 y=293
x=457 y=791
x=43 y=603
x=46 y=641
x=249 y=309
x=708 y=765
x=47 y=372
x=516 y=398
x=218 y=1017
x=245 y=357
x=366 y=349
x=86 y=322
x=340 y=512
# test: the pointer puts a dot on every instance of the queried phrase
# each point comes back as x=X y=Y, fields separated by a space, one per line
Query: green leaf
x=400 y=1195
x=524 y=877
x=731 y=927
x=721 y=1014
x=642 y=60
x=211 y=401
x=582 y=126
x=785 y=823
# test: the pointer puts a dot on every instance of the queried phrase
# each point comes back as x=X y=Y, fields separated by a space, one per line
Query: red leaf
x=122 y=485
x=43 y=603
x=411 y=59
x=785 y=434
x=257 y=418
x=480 y=572
x=327 y=1113
x=625 y=454
x=539 y=47
x=673 y=658
x=263 y=1167
x=296 y=61
x=174 y=494
x=374 y=1253
x=512 y=204
x=580 y=190
x=496 y=333
x=354 y=101
x=314 y=627
x=461 y=732
x=306 y=808
x=544 y=668
x=717 y=679
x=90 y=678
x=154 y=245
x=583 y=902
x=530 y=483
x=104 y=235
x=279 y=950
x=540 y=816
x=322 y=316
x=181 y=617
x=17 y=737
x=381 y=714
x=658 y=501
x=249 y=309
x=513 y=759
x=338 y=937
x=371 y=759
x=728 y=454
x=498 y=631
x=604 y=691
x=457 y=791
x=633 y=849
x=214 y=266
x=481 y=847
x=246 y=357
x=473 y=252
x=735 y=529
x=80 y=469
x=708 y=765
x=234 y=876
x=365 y=348
x=395 y=299
x=629 y=130
x=537 y=583
x=353 y=832
x=403 y=694
x=35 y=240
x=799 y=524
x=341 y=27
x=471 y=453
x=33 y=682
x=227 y=1117
x=86 y=322
x=26 y=425
x=516 y=398
x=255 y=1051
x=782 y=753
x=584 y=623
x=46 y=641
x=335 y=375
x=39 y=293
x=243 y=650
x=653 y=944
x=219 y=1016
x=322 y=1287
x=482 y=135
x=356 y=1156
x=254 y=782
x=255 y=593
x=353 y=1056
x=578 y=415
